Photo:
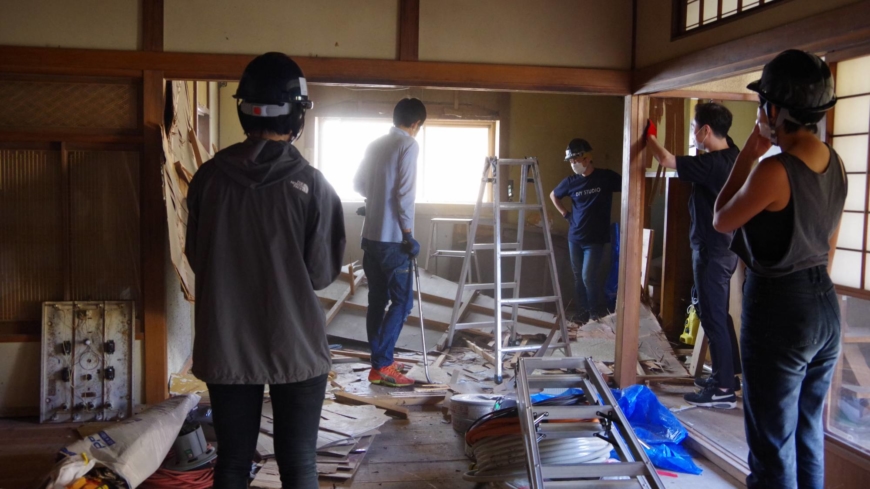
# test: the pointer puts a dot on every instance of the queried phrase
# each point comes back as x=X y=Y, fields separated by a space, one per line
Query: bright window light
x=448 y=168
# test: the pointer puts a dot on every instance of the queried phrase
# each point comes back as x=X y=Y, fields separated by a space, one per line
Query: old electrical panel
x=87 y=361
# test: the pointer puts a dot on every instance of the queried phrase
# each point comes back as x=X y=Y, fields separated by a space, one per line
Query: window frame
x=491 y=125
x=861 y=291
x=679 y=11
x=833 y=433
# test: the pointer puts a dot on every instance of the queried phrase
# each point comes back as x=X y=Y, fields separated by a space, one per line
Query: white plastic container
x=465 y=409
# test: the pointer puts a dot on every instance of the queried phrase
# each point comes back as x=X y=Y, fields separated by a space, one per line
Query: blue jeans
x=236 y=410
x=587 y=264
x=391 y=280
x=790 y=340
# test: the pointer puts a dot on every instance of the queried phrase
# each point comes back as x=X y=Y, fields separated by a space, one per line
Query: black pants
x=713 y=271
x=236 y=410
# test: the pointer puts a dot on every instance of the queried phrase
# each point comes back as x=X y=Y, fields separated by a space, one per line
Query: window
x=848 y=409
x=849 y=137
x=451 y=158
x=694 y=15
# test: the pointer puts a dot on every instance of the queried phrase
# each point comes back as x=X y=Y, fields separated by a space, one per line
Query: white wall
x=333 y=28
x=654 y=43
x=95 y=24
x=582 y=33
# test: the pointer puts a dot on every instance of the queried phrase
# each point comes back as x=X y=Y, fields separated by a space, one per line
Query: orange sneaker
x=389 y=376
x=401 y=367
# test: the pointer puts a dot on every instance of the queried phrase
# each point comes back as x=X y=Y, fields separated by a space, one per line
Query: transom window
x=694 y=15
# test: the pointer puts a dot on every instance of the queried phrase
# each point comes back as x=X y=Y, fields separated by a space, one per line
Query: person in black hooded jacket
x=265 y=230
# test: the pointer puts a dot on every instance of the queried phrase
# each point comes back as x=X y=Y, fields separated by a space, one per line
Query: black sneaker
x=709 y=381
x=580 y=319
x=712 y=397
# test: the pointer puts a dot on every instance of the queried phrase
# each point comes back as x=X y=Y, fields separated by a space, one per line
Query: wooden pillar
x=631 y=241
x=409 y=30
x=153 y=215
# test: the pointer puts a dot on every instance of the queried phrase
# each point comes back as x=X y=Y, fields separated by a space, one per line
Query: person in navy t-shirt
x=591 y=191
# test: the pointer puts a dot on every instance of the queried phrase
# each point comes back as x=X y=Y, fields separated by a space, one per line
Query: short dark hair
x=408 y=111
x=717 y=116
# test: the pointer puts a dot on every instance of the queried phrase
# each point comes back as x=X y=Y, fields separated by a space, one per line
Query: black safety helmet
x=273 y=95
x=576 y=148
x=798 y=81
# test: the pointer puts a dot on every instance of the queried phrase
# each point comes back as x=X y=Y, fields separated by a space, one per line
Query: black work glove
x=410 y=245
x=567 y=216
x=361 y=211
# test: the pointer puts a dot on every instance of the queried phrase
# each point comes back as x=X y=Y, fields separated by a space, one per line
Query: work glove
x=361 y=211
x=651 y=129
x=410 y=245
x=567 y=216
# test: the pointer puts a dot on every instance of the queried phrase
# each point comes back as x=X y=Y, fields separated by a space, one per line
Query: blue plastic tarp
x=657 y=427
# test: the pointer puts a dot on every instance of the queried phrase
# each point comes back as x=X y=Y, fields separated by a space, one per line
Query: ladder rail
x=557 y=290
x=497 y=291
x=521 y=223
x=469 y=248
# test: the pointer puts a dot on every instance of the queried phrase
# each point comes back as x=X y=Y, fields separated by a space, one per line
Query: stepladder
x=506 y=290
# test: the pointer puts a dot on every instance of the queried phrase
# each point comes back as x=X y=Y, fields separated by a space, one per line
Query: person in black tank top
x=786 y=212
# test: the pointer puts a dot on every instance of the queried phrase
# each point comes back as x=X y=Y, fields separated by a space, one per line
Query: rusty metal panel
x=31 y=232
x=31 y=104
x=87 y=361
x=104 y=225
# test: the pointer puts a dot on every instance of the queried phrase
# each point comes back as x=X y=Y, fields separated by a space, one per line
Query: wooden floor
x=422 y=452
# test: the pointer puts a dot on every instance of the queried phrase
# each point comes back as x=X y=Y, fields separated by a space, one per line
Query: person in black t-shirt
x=591 y=191
x=712 y=261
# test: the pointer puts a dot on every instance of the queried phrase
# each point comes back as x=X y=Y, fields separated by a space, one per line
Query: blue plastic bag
x=658 y=428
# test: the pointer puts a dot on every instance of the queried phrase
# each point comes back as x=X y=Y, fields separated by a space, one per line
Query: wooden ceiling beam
x=833 y=30
x=383 y=72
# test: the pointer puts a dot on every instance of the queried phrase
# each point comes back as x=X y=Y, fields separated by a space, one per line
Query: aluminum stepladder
x=602 y=405
x=494 y=171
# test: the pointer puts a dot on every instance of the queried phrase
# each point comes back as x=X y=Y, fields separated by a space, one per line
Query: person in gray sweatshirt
x=265 y=230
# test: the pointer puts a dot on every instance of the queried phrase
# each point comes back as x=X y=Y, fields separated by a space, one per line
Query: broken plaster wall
x=179 y=321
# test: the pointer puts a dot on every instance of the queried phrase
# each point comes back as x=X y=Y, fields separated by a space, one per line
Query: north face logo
x=300 y=186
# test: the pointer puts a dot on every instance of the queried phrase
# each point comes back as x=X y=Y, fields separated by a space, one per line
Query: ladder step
x=490 y=286
x=516 y=161
x=516 y=206
x=525 y=253
x=449 y=253
x=581 y=471
x=510 y=206
x=556 y=413
x=512 y=349
x=491 y=246
x=451 y=219
x=617 y=484
x=482 y=324
x=570 y=430
x=556 y=381
x=529 y=300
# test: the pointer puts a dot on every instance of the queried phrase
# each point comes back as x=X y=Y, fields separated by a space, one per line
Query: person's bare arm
x=557 y=202
x=765 y=185
x=663 y=156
